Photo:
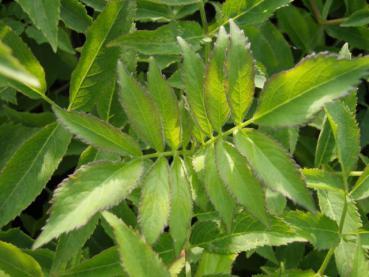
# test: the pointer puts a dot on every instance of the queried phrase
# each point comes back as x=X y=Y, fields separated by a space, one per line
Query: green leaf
x=346 y=134
x=351 y=259
x=96 y=70
x=214 y=84
x=357 y=37
x=269 y=47
x=216 y=190
x=325 y=146
x=193 y=70
x=16 y=263
x=97 y=5
x=74 y=15
x=319 y=179
x=240 y=181
x=300 y=27
x=245 y=12
x=166 y=101
x=331 y=204
x=240 y=67
x=358 y=18
x=69 y=244
x=138 y=259
x=25 y=57
x=163 y=40
x=361 y=189
x=140 y=109
x=293 y=96
x=175 y=2
x=154 y=204
x=45 y=16
x=104 y=264
x=181 y=204
x=321 y=231
x=92 y=130
x=211 y=263
x=92 y=188
x=273 y=165
x=247 y=234
x=29 y=169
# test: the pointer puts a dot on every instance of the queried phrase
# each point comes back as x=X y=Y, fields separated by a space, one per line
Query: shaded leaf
x=74 y=15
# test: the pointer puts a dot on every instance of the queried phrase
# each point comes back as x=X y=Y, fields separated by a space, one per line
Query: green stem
x=326 y=261
x=316 y=12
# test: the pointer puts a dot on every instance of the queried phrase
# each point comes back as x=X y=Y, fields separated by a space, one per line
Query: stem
x=326 y=8
x=336 y=21
x=326 y=261
x=356 y=173
x=316 y=12
x=322 y=20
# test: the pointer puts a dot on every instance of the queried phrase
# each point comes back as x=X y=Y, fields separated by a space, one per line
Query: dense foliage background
x=286 y=196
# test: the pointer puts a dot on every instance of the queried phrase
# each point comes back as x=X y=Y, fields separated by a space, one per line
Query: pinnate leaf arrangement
x=187 y=175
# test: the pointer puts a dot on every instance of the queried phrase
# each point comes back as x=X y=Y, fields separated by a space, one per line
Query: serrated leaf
x=361 y=189
x=319 y=179
x=104 y=264
x=293 y=96
x=98 y=133
x=247 y=234
x=192 y=73
x=240 y=70
x=140 y=109
x=138 y=259
x=245 y=12
x=16 y=263
x=331 y=204
x=214 y=84
x=29 y=63
x=154 y=204
x=240 y=181
x=34 y=163
x=351 y=259
x=216 y=190
x=163 y=40
x=74 y=15
x=321 y=231
x=92 y=188
x=346 y=134
x=45 y=16
x=325 y=146
x=69 y=244
x=273 y=165
x=96 y=70
x=166 y=101
x=181 y=204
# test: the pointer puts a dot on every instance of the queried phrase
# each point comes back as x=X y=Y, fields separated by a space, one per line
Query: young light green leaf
x=167 y=103
x=23 y=54
x=96 y=70
x=138 y=259
x=240 y=181
x=16 y=263
x=321 y=231
x=34 y=163
x=293 y=96
x=154 y=204
x=351 y=259
x=247 y=234
x=218 y=194
x=45 y=16
x=92 y=188
x=214 y=84
x=361 y=188
x=273 y=165
x=346 y=134
x=98 y=133
x=181 y=204
x=246 y=12
x=104 y=264
x=163 y=40
x=74 y=15
x=140 y=109
x=193 y=72
x=240 y=70
x=11 y=68
x=69 y=244
x=211 y=263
